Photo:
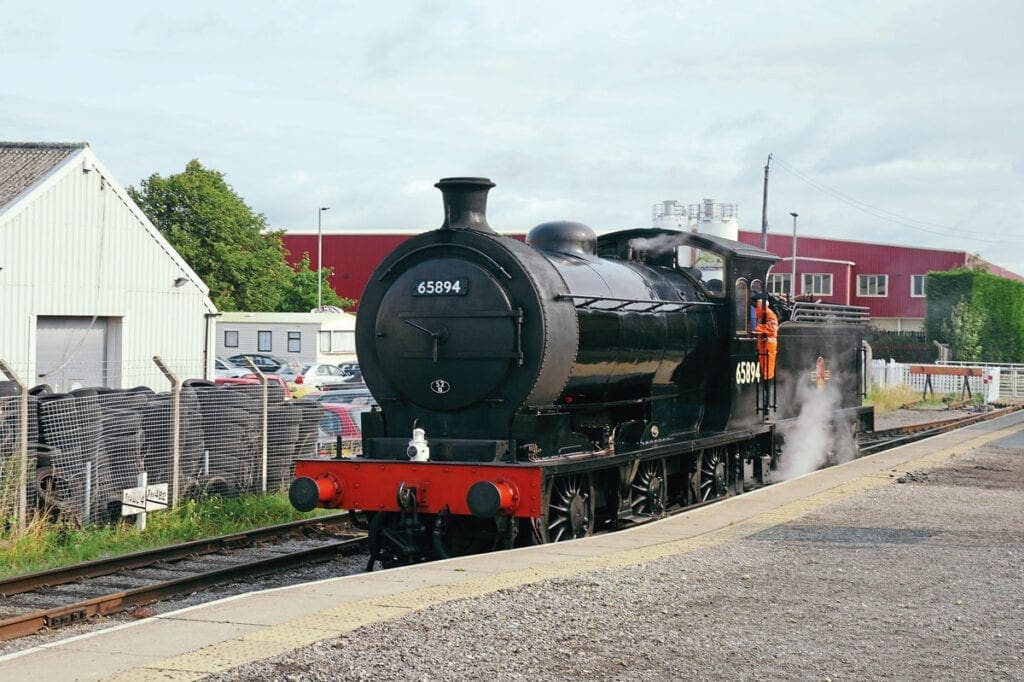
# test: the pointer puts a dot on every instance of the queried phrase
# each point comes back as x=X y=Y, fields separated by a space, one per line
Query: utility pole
x=764 y=208
x=320 y=256
x=792 y=281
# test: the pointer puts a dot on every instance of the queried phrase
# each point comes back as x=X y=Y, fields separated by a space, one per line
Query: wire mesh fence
x=86 y=445
x=69 y=373
x=16 y=461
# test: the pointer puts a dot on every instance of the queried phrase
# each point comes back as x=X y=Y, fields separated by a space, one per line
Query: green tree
x=301 y=293
x=967 y=324
x=219 y=236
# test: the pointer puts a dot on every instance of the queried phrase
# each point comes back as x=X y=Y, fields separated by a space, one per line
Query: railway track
x=64 y=596
x=877 y=441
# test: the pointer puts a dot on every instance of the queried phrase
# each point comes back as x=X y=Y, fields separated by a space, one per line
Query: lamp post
x=320 y=256
x=792 y=281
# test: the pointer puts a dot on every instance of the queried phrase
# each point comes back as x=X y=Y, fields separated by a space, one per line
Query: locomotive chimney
x=465 y=203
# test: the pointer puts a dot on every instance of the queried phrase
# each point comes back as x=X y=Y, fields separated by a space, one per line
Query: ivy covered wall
x=979 y=314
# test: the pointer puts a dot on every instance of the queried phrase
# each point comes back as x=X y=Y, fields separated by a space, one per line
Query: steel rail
x=31 y=623
x=891 y=438
x=100 y=567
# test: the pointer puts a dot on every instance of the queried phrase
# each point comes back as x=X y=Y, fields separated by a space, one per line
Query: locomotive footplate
x=667 y=447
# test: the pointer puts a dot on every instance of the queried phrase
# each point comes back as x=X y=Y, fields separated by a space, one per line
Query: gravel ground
x=920 y=580
x=896 y=418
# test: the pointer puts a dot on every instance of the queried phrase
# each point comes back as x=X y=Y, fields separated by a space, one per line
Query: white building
x=89 y=288
x=337 y=338
x=288 y=336
x=299 y=337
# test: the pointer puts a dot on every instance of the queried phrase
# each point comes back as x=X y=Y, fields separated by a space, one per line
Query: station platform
x=217 y=637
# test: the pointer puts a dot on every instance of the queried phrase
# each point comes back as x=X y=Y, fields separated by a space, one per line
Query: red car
x=345 y=420
x=251 y=379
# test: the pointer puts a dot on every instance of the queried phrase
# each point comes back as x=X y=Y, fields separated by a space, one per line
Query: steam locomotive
x=534 y=392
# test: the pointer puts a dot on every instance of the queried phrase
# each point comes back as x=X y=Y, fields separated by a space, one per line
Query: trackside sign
x=145 y=499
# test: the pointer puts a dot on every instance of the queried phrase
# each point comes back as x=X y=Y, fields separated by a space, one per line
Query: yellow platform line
x=300 y=632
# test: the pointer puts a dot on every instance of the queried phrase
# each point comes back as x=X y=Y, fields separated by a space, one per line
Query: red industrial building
x=887 y=279
x=352 y=257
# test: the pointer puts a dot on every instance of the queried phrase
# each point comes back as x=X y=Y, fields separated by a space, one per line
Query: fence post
x=175 y=426
x=263 y=413
x=141 y=481
x=22 y=443
x=87 y=503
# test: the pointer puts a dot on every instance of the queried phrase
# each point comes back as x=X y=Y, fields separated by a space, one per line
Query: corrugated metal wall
x=77 y=249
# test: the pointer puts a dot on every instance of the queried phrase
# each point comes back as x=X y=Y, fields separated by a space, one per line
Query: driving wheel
x=570 y=508
x=649 y=490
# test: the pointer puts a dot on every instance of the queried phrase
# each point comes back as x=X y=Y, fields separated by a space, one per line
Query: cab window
x=741 y=299
x=711 y=267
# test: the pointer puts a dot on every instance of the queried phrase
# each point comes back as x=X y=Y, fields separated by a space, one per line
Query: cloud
x=577 y=111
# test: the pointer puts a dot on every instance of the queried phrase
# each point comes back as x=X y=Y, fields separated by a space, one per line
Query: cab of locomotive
x=734 y=275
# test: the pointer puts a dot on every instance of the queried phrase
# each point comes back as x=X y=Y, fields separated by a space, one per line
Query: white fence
x=996 y=382
x=1008 y=377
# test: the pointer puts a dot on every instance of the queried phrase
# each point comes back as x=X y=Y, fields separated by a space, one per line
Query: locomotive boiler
x=531 y=392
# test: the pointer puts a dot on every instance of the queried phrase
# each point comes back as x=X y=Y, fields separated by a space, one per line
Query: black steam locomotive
x=532 y=392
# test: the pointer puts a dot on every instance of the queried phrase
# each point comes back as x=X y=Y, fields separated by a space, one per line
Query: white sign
x=138 y=500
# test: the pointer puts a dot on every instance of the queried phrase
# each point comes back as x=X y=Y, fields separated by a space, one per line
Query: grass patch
x=887 y=399
x=47 y=543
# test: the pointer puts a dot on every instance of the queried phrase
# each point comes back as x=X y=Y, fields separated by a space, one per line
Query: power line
x=884 y=214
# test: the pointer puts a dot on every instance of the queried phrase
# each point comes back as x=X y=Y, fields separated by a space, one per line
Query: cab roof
x=721 y=246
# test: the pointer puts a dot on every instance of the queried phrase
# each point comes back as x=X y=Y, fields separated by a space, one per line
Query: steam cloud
x=811 y=441
x=656 y=245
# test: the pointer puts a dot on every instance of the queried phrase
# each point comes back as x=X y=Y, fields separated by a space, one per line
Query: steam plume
x=656 y=245
x=811 y=441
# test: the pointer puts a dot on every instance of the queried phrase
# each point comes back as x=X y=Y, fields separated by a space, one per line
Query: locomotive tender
x=531 y=392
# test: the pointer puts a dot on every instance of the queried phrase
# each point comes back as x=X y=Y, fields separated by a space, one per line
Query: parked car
x=252 y=379
x=344 y=394
x=348 y=368
x=345 y=420
x=265 y=363
x=224 y=368
x=314 y=375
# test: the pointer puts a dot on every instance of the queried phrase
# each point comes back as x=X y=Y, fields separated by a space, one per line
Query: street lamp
x=320 y=256
x=792 y=281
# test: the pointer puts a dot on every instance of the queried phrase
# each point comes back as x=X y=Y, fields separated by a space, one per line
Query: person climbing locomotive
x=767 y=332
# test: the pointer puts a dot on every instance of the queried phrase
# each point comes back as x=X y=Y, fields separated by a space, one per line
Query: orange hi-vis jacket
x=767 y=331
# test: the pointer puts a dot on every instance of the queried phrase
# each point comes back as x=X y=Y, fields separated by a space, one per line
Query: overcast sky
x=896 y=122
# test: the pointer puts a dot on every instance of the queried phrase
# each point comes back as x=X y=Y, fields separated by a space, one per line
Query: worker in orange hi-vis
x=767 y=332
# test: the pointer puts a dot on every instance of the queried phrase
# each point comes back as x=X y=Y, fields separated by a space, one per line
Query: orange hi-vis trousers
x=767 y=349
